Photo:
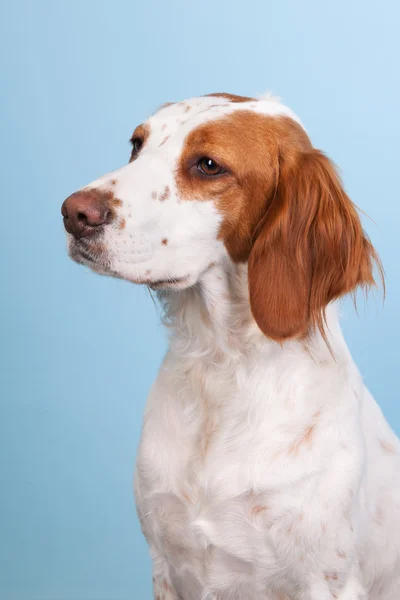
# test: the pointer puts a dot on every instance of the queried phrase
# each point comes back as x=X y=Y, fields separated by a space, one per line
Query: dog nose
x=84 y=213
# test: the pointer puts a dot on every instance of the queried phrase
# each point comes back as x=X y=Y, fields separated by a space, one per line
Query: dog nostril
x=82 y=218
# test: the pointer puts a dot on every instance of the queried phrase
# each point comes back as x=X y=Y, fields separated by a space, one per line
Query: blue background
x=80 y=351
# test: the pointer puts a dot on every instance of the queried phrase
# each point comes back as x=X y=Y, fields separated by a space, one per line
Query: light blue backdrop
x=80 y=351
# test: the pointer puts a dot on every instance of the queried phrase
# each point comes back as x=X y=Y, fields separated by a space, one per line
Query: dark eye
x=208 y=166
x=137 y=144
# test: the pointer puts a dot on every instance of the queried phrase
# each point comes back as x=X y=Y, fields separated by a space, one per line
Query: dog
x=266 y=470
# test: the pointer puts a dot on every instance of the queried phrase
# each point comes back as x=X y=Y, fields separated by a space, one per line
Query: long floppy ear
x=310 y=249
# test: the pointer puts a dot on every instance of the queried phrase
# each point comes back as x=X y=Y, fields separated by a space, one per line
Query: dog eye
x=208 y=166
x=137 y=144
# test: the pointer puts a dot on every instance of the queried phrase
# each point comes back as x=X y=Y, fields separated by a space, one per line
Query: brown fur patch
x=122 y=224
x=165 y=195
x=164 y=241
x=285 y=211
x=251 y=162
x=114 y=202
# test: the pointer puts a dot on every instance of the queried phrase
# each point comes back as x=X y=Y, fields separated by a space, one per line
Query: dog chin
x=98 y=262
x=170 y=283
x=179 y=283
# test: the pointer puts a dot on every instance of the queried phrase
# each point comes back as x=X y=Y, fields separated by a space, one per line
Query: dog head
x=226 y=178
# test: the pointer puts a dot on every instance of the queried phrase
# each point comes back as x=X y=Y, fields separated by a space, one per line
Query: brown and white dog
x=265 y=470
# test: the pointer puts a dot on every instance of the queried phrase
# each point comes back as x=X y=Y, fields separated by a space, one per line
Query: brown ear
x=310 y=249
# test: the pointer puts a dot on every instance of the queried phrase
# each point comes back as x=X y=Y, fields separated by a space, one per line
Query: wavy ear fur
x=310 y=249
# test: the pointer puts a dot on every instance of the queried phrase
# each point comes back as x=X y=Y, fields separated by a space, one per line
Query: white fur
x=265 y=471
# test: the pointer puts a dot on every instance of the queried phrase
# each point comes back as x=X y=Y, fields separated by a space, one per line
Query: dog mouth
x=95 y=256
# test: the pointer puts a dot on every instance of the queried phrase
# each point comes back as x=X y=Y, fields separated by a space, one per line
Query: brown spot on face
x=164 y=141
x=284 y=210
x=164 y=241
x=187 y=108
x=165 y=195
x=113 y=182
x=387 y=447
x=122 y=224
x=115 y=202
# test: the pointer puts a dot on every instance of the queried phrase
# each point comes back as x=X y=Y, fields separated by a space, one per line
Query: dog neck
x=212 y=321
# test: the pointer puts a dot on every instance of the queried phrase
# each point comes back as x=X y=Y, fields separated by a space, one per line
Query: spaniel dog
x=266 y=471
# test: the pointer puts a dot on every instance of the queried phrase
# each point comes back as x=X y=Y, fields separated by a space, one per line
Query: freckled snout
x=85 y=212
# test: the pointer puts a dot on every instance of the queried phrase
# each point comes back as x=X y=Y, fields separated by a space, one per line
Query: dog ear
x=310 y=249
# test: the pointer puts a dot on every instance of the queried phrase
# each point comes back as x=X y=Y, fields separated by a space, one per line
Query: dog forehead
x=178 y=119
x=192 y=108
x=174 y=121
